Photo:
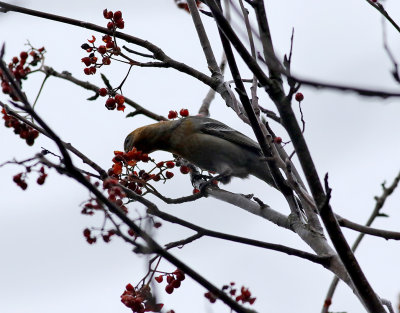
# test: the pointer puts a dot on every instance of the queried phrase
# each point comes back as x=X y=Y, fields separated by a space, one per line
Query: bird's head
x=129 y=142
x=149 y=138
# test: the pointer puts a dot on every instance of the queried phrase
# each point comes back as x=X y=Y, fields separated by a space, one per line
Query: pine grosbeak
x=206 y=143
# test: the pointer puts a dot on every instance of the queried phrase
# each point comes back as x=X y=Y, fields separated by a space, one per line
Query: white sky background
x=46 y=265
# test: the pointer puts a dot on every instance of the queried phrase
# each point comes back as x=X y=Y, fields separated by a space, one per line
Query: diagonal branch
x=275 y=90
x=380 y=201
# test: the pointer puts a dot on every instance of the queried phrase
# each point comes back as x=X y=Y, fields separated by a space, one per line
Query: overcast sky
x=46 y=266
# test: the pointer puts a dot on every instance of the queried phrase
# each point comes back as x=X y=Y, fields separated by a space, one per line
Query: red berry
x=145 y=157
x=106 y=38
x=159 y=279
x=172 y=114
x=110 y=15
x=30 y=141
x=110 y=44
x=117 y=15
x=157 y=224
x=129 y=287
x=23 y=55
x=121 y=107
x=169 y=289
x=23 y=185
x=179 y=275
x=106 y=61
x=103 y=92
x=184 y=169
x=176 y=284
x=41 y=179
x=299 y=96
x=120 y=24
x=119 y=99
x=17 y=178
x=102 y=49
x=195 y=190
x=169 y=175
x=278 y=140
x=33 y=134
x=87 y=61
x=184 y=112
x=170 y=164
x=86 y=70
x=110 y=25
x=15 y=60
x=169 y=279
x=110 y=104
x=86 y=232
x=156 y=177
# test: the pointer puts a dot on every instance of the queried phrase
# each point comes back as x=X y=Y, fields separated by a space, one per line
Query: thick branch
x=275 y=91
x=380 y=201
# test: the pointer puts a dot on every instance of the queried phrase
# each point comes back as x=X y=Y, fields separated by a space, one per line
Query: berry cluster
x=105 y=53
x=106 y=235
x=173 y=114
x=23 y=130
x=115 y=195
x=116 y=101
x=245 y=294
x=116 y=19
x=108 y=49
x=173 y=280
x=20 y=68
x=140 y=300
x=136 y=180
x=20 y=181
x=88 y=235
x=19 y=178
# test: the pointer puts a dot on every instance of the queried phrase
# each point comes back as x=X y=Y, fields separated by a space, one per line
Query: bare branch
x=380 y=201
x=368 y=230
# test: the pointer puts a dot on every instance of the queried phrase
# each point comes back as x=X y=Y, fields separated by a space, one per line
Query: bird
x=206 y=143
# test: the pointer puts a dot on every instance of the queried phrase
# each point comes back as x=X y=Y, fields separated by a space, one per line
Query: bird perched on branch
x=206 y=143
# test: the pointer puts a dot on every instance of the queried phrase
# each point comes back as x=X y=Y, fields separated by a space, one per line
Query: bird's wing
x=216 y=128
